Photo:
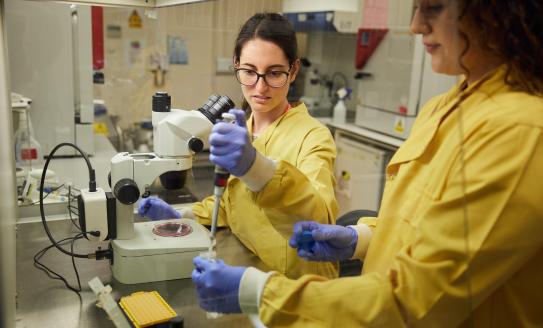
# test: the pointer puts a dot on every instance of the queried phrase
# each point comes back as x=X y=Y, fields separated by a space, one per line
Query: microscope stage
x=149 y=257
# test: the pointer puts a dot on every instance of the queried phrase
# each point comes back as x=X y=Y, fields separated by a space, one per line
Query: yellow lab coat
x=459 y=238
x=302 y=188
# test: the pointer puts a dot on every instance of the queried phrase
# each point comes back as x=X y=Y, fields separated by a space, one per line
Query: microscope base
x=148 y=257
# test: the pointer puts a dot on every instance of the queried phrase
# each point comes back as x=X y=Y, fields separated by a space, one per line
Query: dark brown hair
x=271 y=27
x=512 y=30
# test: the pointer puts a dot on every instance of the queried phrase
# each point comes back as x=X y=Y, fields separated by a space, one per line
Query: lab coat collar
x=265 y=137
x=428 y=123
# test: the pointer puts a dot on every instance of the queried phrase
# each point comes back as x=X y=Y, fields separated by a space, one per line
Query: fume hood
x=399 y=70
x=335 y=16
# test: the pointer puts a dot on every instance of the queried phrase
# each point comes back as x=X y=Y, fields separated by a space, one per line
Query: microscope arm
x=131 y=176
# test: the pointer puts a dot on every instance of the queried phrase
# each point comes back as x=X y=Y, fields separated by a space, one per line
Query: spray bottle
x=340 y=110
x=27 y=149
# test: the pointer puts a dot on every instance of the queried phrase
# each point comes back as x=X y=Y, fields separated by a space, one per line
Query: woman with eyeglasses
x=281 y=158
x=459 y=237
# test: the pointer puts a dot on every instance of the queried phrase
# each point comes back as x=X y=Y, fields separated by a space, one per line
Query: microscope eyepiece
x=162 y=102
x=216 y=106
x=212 y=99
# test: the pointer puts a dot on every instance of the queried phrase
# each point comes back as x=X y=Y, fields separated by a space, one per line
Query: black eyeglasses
x=249 y=77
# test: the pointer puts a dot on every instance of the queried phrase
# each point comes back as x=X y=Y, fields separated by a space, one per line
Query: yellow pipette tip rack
x=145 y=309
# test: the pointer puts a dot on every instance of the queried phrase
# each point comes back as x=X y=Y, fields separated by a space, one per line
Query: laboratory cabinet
x=359 y=171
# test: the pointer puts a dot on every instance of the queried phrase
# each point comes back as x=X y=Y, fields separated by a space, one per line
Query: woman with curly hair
x=458 y=240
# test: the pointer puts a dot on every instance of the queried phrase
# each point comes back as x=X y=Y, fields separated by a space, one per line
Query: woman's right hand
x=156 y=209
x=230 y=146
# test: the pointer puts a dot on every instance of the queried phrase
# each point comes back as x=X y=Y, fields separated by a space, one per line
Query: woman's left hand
x=231 y=147
x=323 y=242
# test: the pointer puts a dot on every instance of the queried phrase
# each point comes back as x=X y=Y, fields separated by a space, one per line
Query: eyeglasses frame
x=263 y=76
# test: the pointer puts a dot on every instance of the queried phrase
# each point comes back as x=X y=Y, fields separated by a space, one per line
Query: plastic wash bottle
x=340 y=110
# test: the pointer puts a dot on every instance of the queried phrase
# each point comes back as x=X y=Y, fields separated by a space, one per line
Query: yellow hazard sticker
x=399 y=125
x=101 y=129
x=134 y=21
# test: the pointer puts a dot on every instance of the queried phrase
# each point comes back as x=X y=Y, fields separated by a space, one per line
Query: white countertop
x=355 y=129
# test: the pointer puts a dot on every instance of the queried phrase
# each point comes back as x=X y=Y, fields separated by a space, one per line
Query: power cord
x=92 y=187
x=52 y=274
x=98 y=254
x=72 y=209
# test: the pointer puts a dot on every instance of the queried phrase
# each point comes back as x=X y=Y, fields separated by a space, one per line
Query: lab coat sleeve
x=260 y=173
x=250 y=289
x=364 y=228
x=484 y=226
x=306 y=189
x=364 y=234
x=203 y=211
x=371 y=222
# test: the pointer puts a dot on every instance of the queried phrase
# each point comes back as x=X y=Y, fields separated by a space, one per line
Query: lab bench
x=44 y=302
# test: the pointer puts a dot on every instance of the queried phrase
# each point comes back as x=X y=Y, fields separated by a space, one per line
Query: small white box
x=95 y=212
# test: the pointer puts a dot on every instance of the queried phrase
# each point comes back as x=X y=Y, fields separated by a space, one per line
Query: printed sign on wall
x=177 y=51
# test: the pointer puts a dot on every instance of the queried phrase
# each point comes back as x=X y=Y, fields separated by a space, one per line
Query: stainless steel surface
x=8 y=190
x=43 y=302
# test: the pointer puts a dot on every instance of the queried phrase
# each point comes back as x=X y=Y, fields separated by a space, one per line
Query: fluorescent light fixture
x=129 y=3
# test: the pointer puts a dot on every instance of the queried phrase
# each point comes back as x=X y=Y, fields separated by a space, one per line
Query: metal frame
x=130 y=3
x=8 y=202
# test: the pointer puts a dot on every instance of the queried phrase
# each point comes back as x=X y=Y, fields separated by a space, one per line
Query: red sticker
x=29 y=153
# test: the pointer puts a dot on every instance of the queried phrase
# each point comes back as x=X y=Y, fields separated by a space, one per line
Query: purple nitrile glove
x=217 y=285
x=231 y=147
x=156 y=209
x=332 y=242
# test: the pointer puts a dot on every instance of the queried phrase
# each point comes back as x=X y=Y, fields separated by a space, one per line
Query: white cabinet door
x=359 y=171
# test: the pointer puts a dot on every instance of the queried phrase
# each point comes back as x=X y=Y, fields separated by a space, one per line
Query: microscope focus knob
x=196 y=145
x=126 y=191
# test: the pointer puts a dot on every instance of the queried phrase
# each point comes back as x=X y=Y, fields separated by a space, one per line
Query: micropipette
x=221 y=180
